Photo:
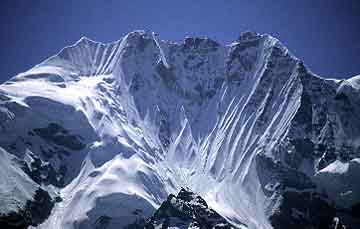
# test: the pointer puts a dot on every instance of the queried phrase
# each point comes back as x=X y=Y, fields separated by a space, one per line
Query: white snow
x=355 y=81
x=16 y=188
x=340 y=181
x=115 y=97
x=162 y=54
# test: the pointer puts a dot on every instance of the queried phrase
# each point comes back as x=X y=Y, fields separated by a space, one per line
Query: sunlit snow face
x=127 y=123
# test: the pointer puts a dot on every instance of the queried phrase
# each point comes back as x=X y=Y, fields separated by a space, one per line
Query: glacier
x=113 y=129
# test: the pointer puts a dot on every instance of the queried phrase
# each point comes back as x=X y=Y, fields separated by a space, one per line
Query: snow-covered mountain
x=186 y=210
x=109 y=131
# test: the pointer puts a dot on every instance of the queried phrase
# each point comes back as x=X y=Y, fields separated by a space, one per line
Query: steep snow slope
x=16 y=187
x=20 y=198
x=125 y=124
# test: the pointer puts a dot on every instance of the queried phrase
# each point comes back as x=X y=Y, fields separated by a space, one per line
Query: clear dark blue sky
x=324 y=33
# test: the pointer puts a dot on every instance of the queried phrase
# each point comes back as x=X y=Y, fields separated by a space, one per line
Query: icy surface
x=234 y=123
x=16 y=188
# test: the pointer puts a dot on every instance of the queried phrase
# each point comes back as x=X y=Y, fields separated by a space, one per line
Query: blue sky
x=325 y=34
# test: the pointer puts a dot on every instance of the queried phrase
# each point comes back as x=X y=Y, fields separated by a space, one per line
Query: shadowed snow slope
x=118 y=127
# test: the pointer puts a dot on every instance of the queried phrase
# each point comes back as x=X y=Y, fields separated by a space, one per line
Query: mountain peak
x=186 y=210
x=125 y=124
x=85 y=39
x=248 y=35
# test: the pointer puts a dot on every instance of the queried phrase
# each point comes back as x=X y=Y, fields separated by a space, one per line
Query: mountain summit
x=106 y=132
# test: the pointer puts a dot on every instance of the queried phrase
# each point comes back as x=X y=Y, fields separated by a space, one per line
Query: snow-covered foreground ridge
x=115 y=128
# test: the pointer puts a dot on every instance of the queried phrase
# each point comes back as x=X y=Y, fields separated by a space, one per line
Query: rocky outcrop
x=186 y=210
x=247 y=125
x=33 y=213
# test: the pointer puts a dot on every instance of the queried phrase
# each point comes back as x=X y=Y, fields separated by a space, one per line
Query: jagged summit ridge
x=247 y=126
x=88 y=57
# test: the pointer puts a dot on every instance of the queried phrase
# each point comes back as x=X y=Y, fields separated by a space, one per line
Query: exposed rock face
x=118 y=127
x=22 y=202
x=59 y=136
x=186 y=210
x=32 y=214
x=302 y=210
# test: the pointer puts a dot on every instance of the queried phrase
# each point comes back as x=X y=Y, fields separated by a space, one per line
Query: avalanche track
x=118 y=127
